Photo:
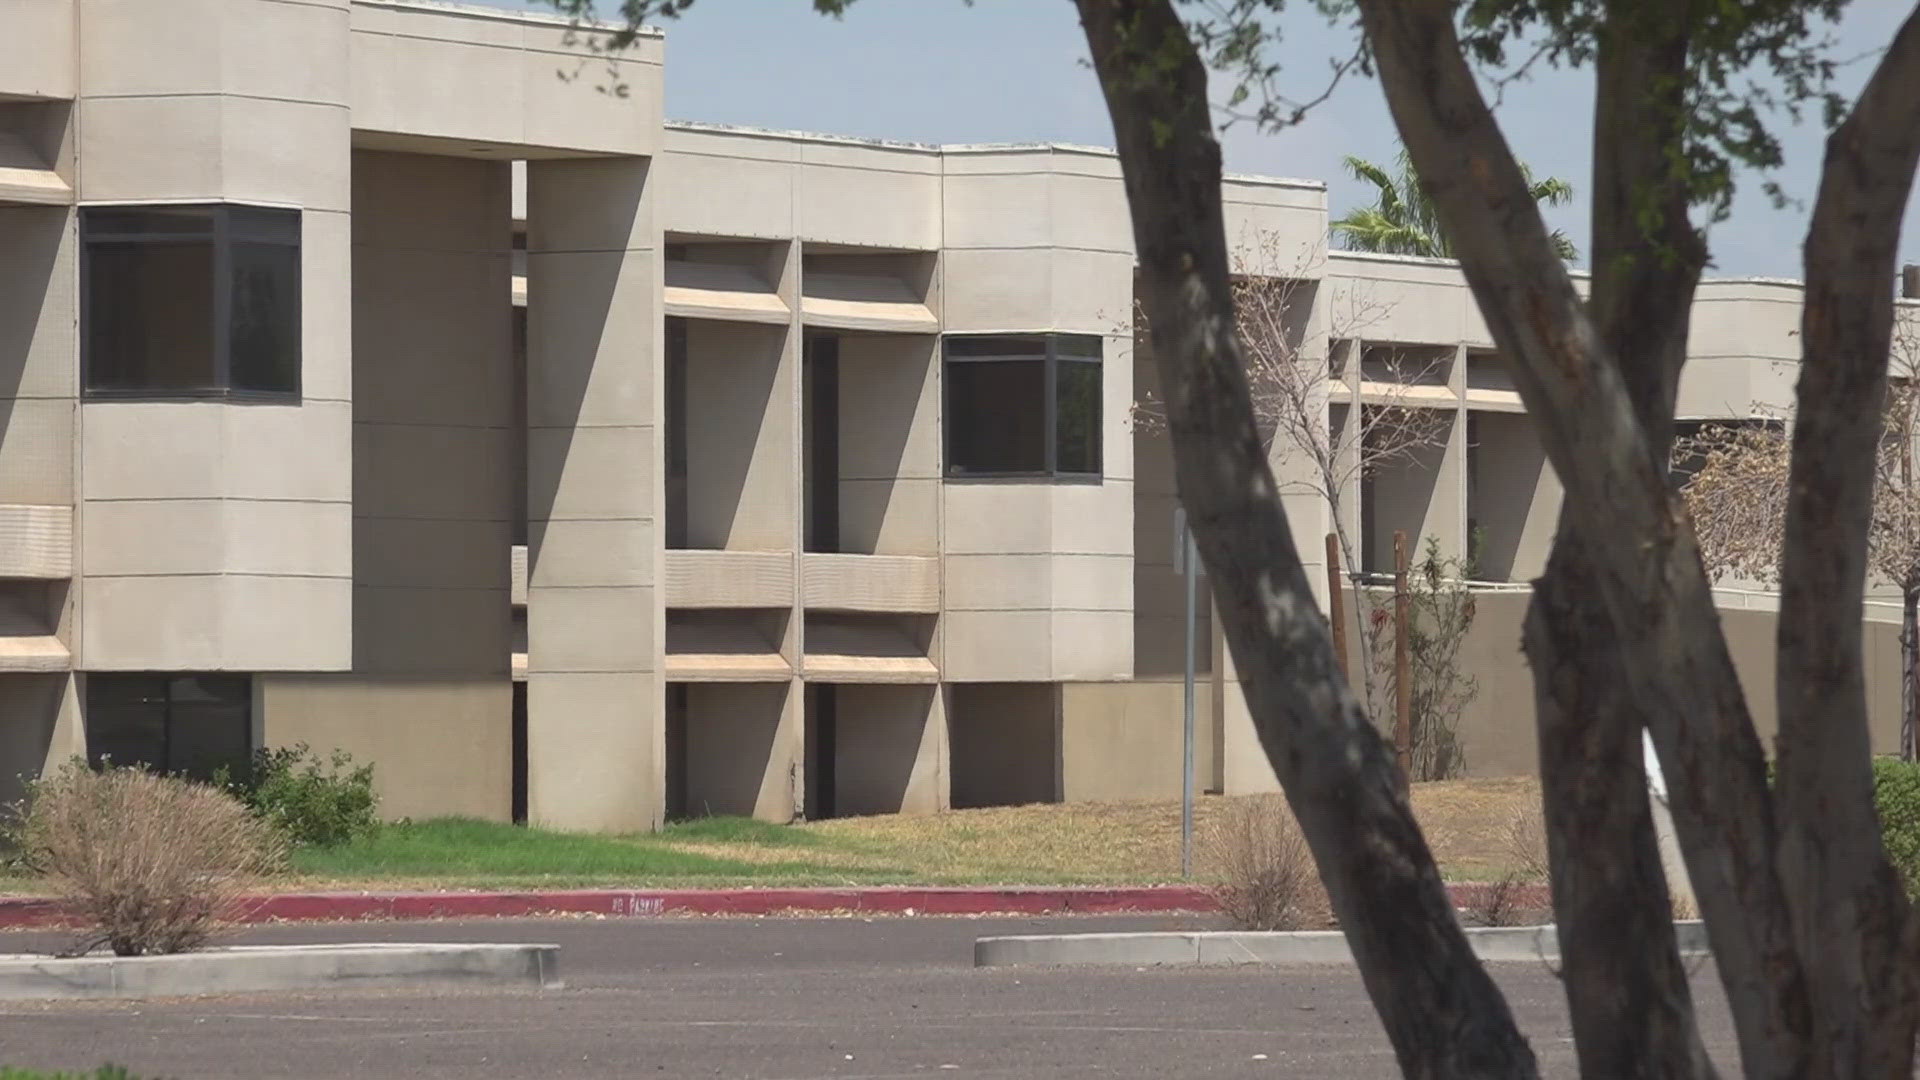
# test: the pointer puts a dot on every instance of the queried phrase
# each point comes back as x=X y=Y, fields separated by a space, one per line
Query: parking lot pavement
x=777 y=998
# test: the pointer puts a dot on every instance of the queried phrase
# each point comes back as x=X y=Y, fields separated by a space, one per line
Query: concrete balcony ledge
x=906 y=584
x=729 y=579
x=263 y=968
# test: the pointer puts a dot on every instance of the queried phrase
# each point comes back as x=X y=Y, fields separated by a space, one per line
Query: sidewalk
x=35 y=912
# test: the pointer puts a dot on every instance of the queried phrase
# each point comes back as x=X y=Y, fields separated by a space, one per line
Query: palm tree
x=1402 y=221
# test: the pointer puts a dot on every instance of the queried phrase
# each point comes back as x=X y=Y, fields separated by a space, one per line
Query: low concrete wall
x=1497 y=730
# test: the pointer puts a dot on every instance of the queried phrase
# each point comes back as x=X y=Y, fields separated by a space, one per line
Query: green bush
x=316 y=804
x=1896 y=795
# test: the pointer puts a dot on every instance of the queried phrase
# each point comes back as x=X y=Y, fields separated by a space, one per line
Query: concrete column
x=596 y=750
x=791 y=741
x=1450 y=501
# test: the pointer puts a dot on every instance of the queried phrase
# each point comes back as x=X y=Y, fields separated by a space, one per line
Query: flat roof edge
x=713 y=128
x=494 y=14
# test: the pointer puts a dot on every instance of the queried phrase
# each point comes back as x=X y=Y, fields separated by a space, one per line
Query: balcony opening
x=1512 y=498
x=723 y=751
x=729 y=457
x=872 y=749
x=870 y=458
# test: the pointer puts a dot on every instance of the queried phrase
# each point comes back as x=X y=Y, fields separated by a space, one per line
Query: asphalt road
x=776 y=998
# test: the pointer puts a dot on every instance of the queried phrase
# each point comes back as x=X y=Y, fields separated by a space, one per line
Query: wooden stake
x=1402 y=675
x=1337 y=605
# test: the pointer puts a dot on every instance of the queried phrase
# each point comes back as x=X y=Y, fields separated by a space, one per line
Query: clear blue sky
x=1013 y=71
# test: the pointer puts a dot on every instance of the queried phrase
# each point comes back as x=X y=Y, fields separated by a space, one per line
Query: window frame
x=1050 y=357
x=222 y=235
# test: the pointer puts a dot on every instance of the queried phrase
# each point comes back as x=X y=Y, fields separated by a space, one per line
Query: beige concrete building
x=389 y=376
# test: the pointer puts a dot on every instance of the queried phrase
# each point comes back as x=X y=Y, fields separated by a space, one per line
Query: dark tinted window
x=191 y=300
x=150 y=322
x=265 y=349
x=996 y=417
x=192 y=725
x=1023 y=405
x=1077 y=412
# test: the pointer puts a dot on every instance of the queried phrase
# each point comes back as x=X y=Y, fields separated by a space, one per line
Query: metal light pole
x=1186 y=562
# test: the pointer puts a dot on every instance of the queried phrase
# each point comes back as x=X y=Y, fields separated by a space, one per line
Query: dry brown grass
x=148 y=864
x=1468 y=823
x=1042 y=844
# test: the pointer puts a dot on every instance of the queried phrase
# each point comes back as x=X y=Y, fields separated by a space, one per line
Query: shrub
x=1267 y=879
x=315 y=804
x=1896 y=795
x=1527 y=846
x=148 y=863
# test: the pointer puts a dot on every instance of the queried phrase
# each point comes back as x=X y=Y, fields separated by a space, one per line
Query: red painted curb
x=33 y=912
x=38 y=913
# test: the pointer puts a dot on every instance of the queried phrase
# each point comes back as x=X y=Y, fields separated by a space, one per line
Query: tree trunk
x=1632 y=1010
x=1443 y=1014
x=1646 y=574
x=1849 y=907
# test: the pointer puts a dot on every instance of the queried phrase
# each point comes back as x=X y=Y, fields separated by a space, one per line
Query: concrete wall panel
x=1122 y=741
x=997 y=646
x=480 y=76
x=1008 y=210
x=37 y=56
x=997 y=289
x=438 y=746
x=1089 y=645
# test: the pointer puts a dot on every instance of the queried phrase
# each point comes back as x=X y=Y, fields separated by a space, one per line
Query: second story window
x=1023 y=405
x=190 y=301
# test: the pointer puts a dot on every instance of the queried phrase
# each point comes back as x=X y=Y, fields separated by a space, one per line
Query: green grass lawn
x=466 y=853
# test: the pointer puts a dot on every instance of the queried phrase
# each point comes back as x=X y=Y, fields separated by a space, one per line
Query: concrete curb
x=1496 y=944
x=252 y=969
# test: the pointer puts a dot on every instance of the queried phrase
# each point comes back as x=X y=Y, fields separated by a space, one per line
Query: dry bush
x=1500 y=903
x=1527 y=846
x=1504 y=901
x=147 y=863
x=1266 y=875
